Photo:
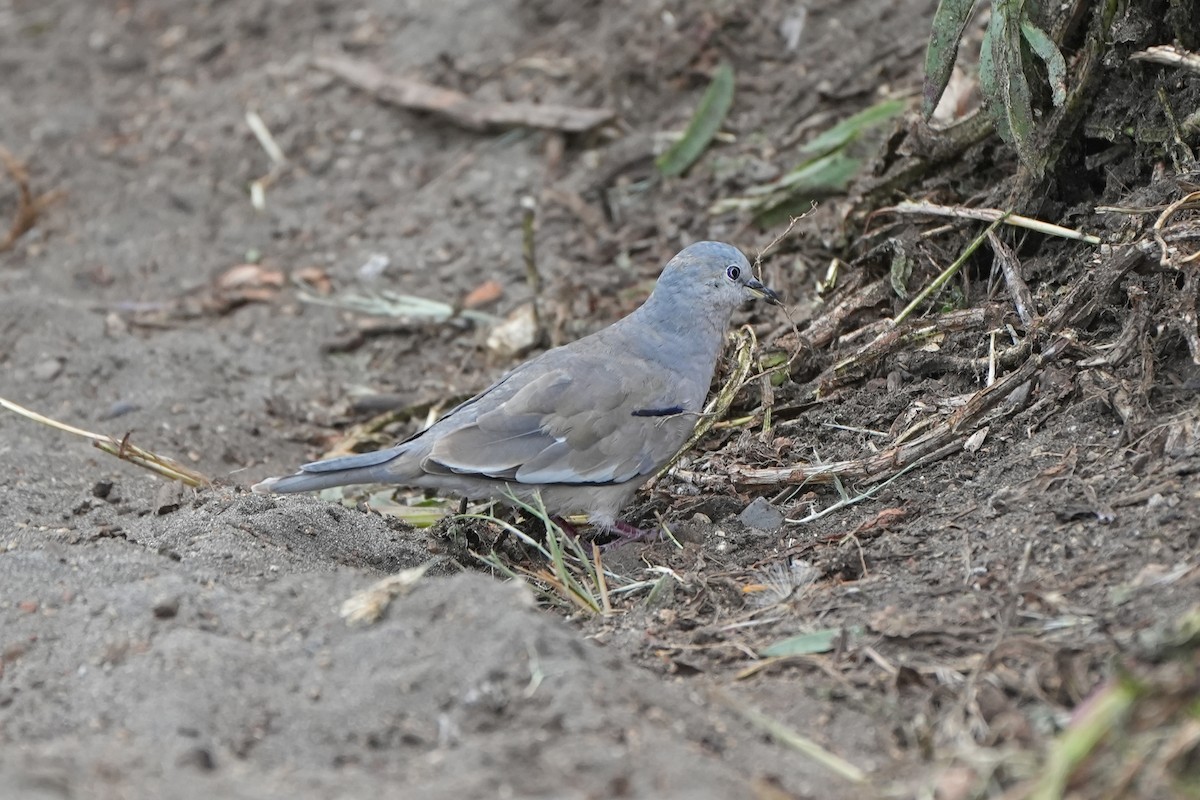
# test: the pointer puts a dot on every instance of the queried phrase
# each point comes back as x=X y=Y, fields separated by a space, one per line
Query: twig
x=823 y=329
x=28 y=206
x=791 y=224
x=893 y=339
x=529 y=256
x=259 y=186
x=458 y=107
x=1011 y=268
x=990 y=215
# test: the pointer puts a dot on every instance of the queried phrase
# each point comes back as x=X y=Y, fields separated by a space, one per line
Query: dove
x=583 y=425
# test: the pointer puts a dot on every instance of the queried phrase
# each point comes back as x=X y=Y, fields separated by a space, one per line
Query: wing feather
x=555 y=431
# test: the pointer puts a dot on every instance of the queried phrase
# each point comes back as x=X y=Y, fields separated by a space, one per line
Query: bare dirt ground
x=165 y=643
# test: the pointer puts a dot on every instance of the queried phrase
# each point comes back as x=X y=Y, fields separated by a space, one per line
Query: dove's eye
x=734 y=272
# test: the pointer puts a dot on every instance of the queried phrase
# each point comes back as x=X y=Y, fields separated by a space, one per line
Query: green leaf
x=1045 y=49
x=829 y=167
x=1002 y=79
x=806 y=644
x=949 y=22
x=800 y=188
x=901 y=271
x=853 y=126
x=715 y=104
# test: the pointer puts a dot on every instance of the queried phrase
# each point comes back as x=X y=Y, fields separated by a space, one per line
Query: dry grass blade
x=794 y=739
x=121 y=448
x=28 y=206
x=573 y=577
x=1188 y=201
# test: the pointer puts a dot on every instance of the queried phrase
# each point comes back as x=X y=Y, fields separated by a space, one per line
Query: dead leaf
x=245 y=276
x=484 y=294
x=316 y=279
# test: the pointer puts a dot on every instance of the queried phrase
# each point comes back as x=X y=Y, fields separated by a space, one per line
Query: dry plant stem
x=920 y=363
x=457 y=107
x=946 y=437
x=529 y=256
x=1169 y=55
x=122 y=449
x=824 y=328
x=1188 y=201
x=895 y=339
x=1086 y=297
x=1011 y=268
x=28 y=206
x=948 y=273
x=991 y=215
x=1187 y=310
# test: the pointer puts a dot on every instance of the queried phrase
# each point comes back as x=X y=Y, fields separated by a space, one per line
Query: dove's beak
x=761 y=292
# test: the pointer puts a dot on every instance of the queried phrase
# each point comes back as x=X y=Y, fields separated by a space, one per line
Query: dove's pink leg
x=565 y=527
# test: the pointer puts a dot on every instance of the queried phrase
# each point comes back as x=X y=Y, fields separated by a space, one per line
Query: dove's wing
x=581 y=427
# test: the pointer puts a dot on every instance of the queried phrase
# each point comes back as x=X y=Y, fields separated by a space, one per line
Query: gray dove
x=583 y=425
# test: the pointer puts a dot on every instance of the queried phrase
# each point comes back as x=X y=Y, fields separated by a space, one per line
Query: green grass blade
x=1045 y=49
x=1002 y=79
x=717 y=100
x=806 y=644
x=853 y=126
x=949 y=22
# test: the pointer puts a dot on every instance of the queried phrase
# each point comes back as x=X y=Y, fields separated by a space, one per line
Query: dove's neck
x=679 y=335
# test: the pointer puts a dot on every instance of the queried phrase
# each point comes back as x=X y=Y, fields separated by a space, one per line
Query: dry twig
x=457 y=107
x=28 y=206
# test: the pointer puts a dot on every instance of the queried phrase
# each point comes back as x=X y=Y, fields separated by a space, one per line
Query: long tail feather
x=341 y=471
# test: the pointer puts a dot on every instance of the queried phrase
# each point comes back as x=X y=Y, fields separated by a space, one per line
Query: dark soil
x=157 y=642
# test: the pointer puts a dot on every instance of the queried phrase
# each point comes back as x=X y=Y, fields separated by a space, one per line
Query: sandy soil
x=164 y=643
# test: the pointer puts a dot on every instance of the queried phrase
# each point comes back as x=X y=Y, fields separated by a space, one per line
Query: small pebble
x=761 y=515
x=166 y=608
x=48 y=369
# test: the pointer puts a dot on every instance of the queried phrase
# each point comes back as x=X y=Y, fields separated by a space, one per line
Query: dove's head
x=712 y=277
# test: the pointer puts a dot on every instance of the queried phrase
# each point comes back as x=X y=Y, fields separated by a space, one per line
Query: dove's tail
x=340 y=471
